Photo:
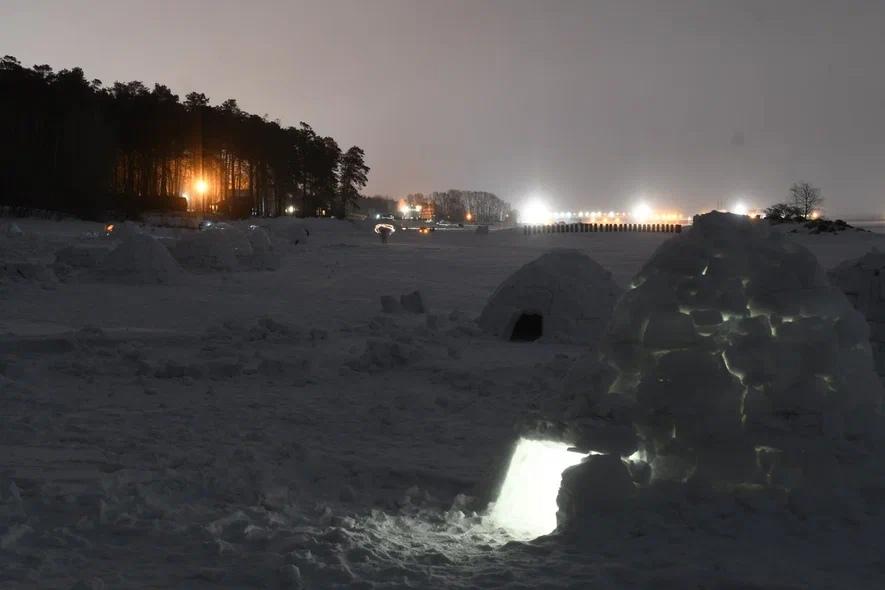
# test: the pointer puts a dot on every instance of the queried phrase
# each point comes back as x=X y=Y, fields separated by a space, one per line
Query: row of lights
x=535 y=211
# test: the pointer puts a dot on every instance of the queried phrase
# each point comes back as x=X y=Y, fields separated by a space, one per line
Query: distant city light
x=740 y=208
x=534 y=211
x=642 y=212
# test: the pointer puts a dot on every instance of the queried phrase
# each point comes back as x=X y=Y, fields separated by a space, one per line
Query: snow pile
x=564 y=295
x=736 y=363
x=140 y=259
x=863 y=282
x=218 y=248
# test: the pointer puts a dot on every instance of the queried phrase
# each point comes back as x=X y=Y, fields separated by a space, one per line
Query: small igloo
x=220 y=247
x=863 y=282
x=140 y=259
x=736 y=362
x=563 y=295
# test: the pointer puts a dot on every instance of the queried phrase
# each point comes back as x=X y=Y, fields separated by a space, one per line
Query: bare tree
x=805 y=198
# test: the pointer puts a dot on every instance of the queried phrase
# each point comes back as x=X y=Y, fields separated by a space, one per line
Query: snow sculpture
x=140 y=259
x=863 y=282
x=564 y=295
x=735 y=362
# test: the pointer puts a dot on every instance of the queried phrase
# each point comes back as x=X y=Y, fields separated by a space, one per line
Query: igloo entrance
x=528 y=327
x=526 y=506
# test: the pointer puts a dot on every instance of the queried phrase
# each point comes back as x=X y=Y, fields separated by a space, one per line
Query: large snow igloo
x=736 y=362
x=863 y=282
x=564 y=295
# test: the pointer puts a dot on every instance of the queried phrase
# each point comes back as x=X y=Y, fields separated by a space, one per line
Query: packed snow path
x=276 y=429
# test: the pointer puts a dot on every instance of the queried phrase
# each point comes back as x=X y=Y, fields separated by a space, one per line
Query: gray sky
x=688 y=102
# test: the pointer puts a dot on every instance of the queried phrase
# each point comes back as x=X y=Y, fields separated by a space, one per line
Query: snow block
x=413 y=302
x=390 y=304
x=598 y=483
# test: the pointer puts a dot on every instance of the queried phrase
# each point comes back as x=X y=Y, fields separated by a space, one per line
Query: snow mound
x=863 y=282
x=140 y=259
x=736 y=363
x=218 y=248
x=564 y=295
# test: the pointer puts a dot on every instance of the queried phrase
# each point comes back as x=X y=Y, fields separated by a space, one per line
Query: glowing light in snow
x=526 y=506
x=290 y=209
x=534 y=211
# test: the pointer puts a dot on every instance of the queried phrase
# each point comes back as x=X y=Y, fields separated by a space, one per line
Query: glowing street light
x=202 y=186
x=740 y=208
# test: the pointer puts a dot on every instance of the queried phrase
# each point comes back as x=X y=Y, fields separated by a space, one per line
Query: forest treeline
x=72 y=144
x=455 y=205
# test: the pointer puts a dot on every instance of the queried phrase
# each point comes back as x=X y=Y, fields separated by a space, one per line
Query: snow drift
x=736 y=363
x=564 y=295
x=863 y=282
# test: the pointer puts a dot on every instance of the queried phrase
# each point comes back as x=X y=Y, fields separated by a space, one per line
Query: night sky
x=594 y=104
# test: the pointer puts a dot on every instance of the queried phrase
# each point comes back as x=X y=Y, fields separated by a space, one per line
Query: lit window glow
x=526 y=506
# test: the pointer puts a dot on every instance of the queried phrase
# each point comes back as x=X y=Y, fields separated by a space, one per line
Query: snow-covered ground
x=273 y=428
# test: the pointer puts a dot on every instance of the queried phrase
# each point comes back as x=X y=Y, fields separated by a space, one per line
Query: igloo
x=863 y=282
x=735 y=362
x=219 y=247
x=563 y=295
x=140 y=259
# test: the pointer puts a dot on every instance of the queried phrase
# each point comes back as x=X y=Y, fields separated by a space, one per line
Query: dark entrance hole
x=529 y=327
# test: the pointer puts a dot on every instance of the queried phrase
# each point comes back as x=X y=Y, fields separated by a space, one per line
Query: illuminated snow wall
x=736 y=361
